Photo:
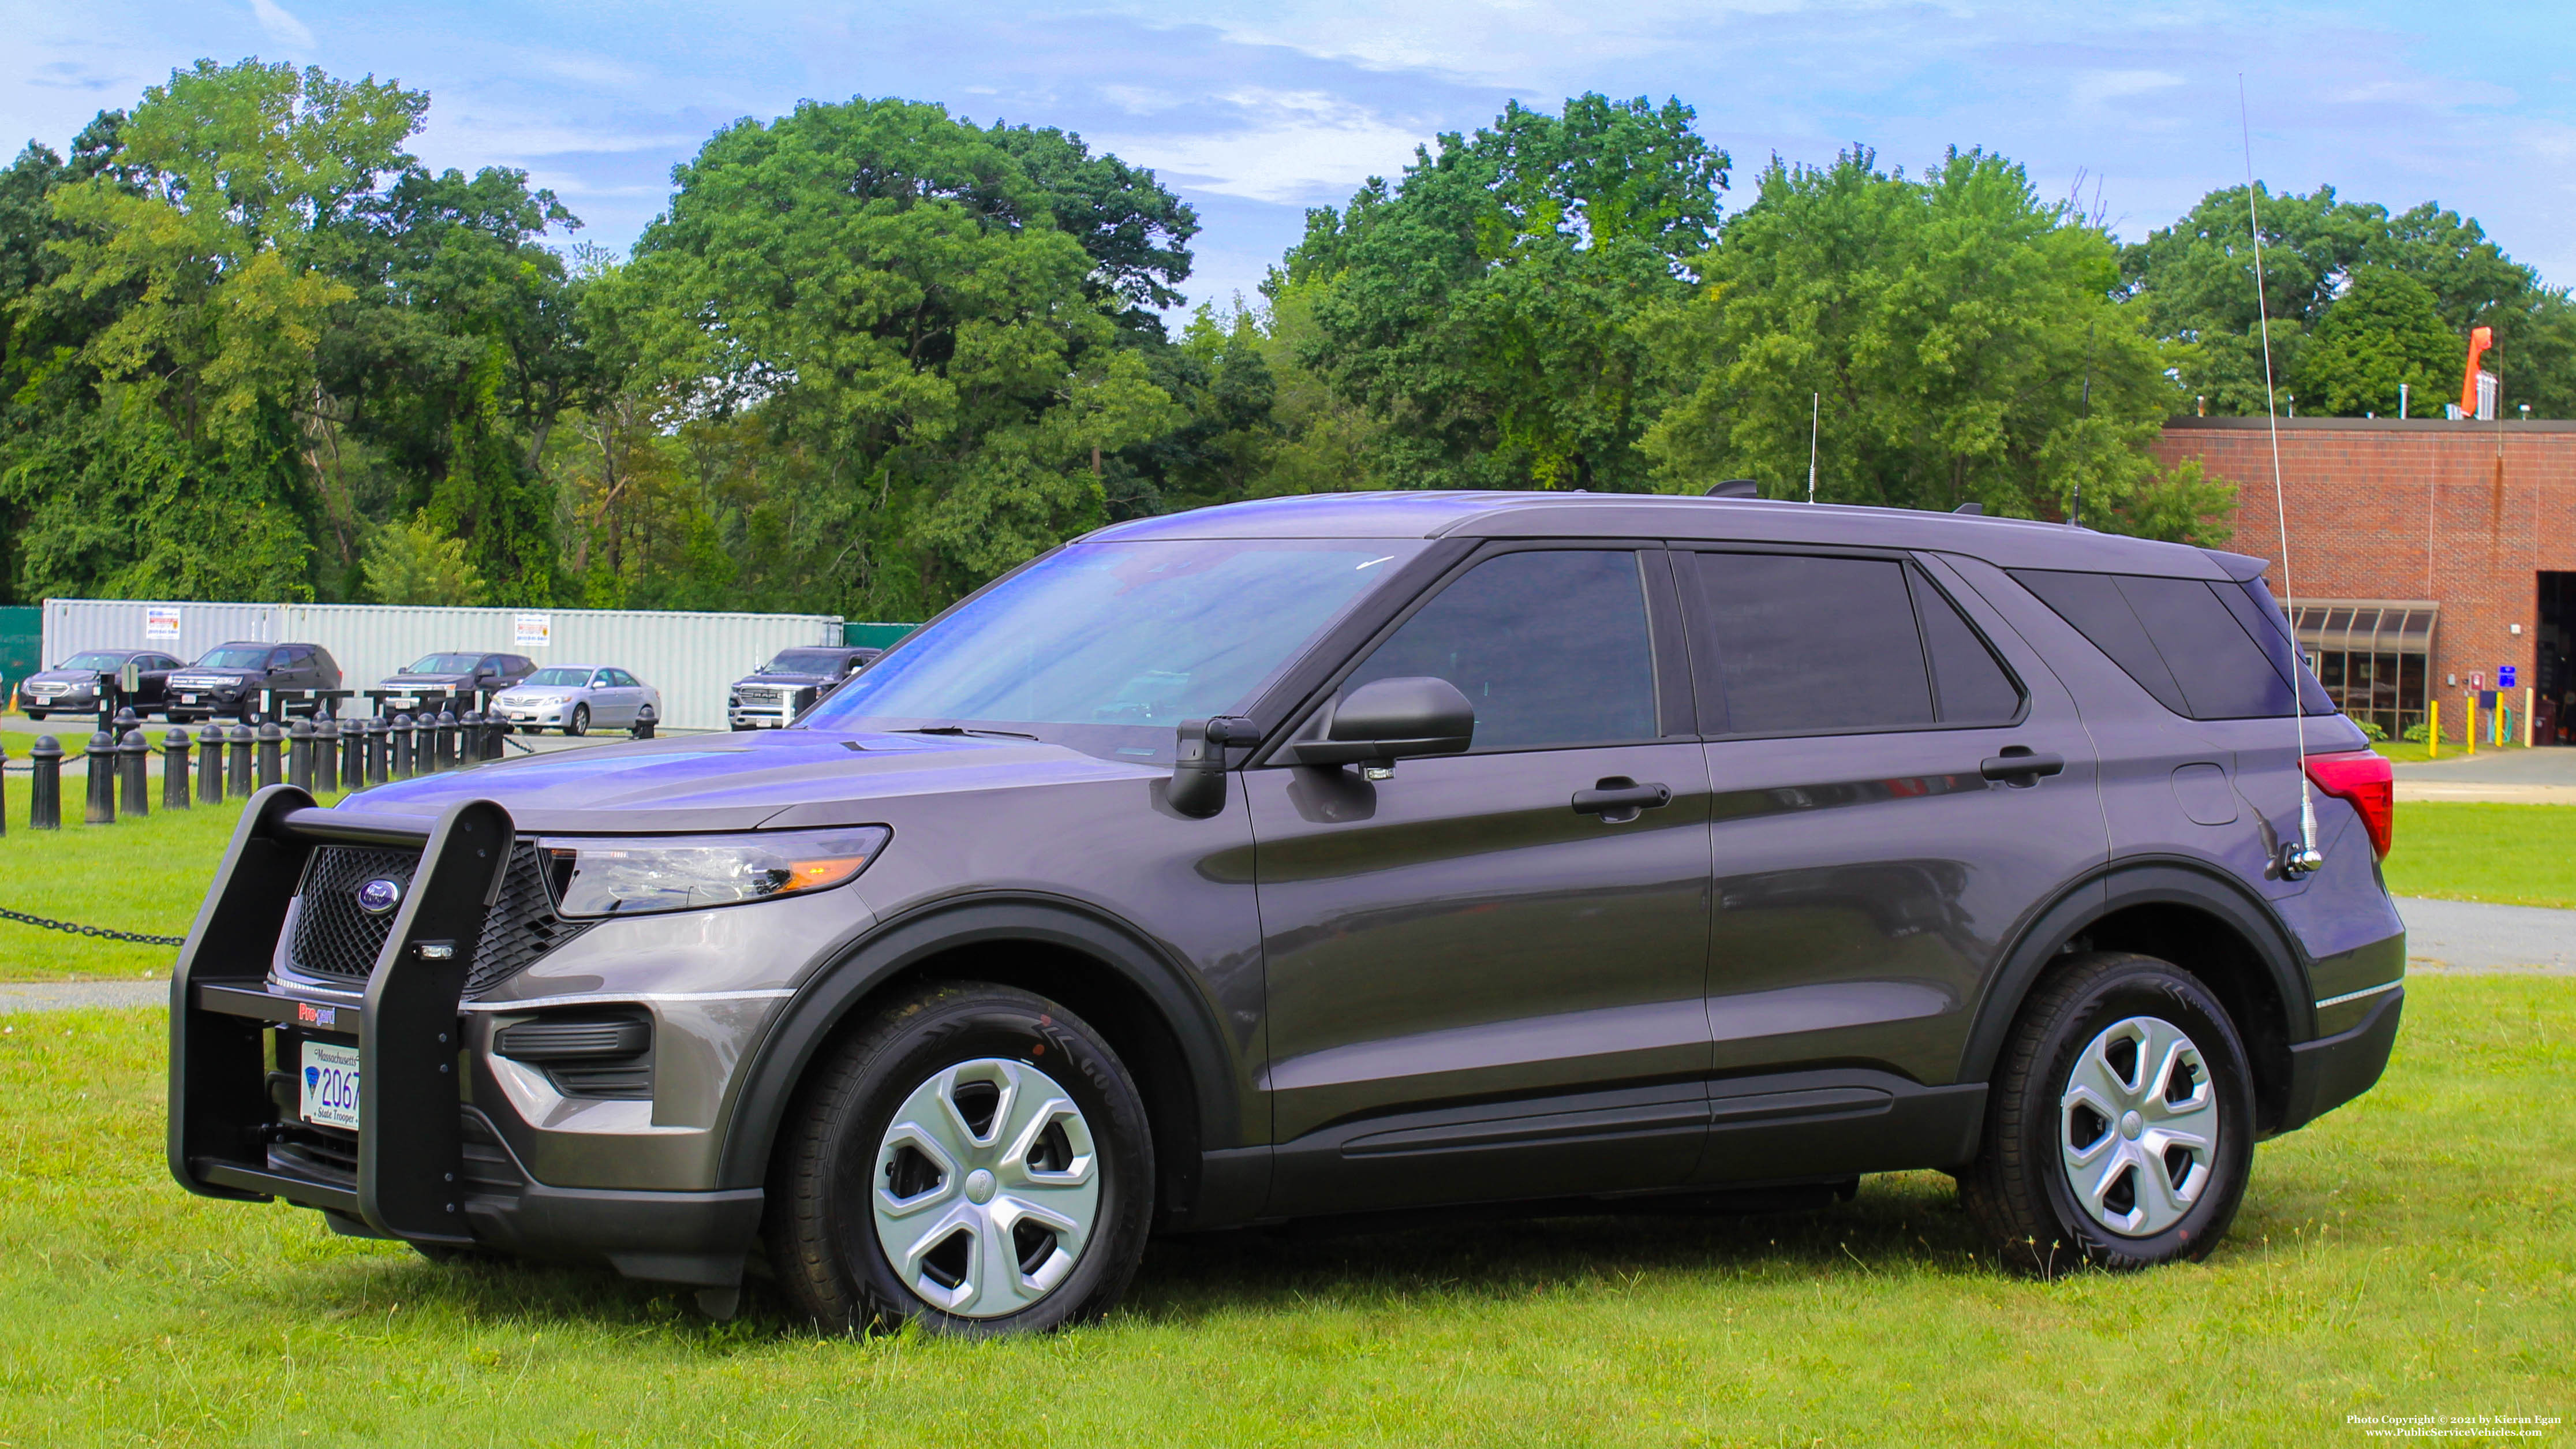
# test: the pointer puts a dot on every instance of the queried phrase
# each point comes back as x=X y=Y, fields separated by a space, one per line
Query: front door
x=1484 y=981
x=1871 y=863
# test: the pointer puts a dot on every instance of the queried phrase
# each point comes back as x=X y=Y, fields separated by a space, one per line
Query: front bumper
x=455 y=1145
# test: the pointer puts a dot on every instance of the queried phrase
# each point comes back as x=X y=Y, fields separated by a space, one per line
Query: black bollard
x=237 y=779
x=100 y=808
x=401 y=763
x=379 y=744
x=469 y=739
x=45 y=792
x=495 y=730
x=174 y=770
x=353 y=755
x=299 y=755
x=210 y=764
x=272 y=742
x=133 y=756
x=326 y=753
x=449 y=756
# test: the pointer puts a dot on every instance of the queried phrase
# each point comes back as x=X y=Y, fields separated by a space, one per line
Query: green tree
x=1955 y=337
x=889 y=290
x=169 y=458
x=2383 y=332
x=1481 y=308
x=2195 y=282
x=417 y=562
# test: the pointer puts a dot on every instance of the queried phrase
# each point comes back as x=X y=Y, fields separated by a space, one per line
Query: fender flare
x=823 y=1003
x=2137 y=881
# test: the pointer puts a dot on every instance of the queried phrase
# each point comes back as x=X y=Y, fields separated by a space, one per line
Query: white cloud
x=282 y=27
x=2094 y=87
x=1298 y=145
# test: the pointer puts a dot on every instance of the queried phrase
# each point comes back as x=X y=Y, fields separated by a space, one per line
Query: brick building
x=2428 y=556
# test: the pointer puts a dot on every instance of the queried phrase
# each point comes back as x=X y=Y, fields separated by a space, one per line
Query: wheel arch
x=1146 y=1005
x=2183 y=912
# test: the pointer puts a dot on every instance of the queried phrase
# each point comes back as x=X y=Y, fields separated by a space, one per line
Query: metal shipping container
x=690 y=658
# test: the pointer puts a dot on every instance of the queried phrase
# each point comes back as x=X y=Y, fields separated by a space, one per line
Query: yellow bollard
x=2469 y=702
x=2433 y=728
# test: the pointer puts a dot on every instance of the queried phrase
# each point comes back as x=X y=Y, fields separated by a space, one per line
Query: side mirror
x=1198 y=762
x=1392 y=719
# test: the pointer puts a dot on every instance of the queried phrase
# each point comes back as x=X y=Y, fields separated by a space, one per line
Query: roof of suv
x=2007 y=542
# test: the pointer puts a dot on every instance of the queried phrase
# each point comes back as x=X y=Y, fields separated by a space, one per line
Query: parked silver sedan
x=575 y=697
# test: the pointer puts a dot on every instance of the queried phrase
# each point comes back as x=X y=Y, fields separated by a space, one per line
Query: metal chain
x=100 y=932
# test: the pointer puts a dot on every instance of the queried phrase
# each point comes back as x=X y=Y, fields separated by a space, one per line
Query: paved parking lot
x=2544 y=776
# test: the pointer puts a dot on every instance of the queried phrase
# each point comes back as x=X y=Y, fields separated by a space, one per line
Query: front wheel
x=578 y=722
x=2120 y=1128
x=976 y=1160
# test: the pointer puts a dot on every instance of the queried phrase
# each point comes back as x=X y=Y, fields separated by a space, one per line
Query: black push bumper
x=424 y=1165
x=2330 y=1071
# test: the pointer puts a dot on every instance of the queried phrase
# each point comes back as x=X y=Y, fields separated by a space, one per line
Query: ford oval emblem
x=378 y=897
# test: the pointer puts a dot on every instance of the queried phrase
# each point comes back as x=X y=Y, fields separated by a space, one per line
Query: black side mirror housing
x=1198 y=762
x=1393 y=719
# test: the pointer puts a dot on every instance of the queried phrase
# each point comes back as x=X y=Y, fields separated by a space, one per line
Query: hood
x=219 y=676
x=63 y=676
x=792 y=681
x=773 y=780
x=541 y=691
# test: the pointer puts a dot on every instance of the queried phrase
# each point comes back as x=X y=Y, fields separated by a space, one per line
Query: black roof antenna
x=1736 y=488
x=1970 y=507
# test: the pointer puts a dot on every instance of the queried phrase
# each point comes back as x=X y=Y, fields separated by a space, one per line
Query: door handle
x=1618 y=800
x=2017 y=765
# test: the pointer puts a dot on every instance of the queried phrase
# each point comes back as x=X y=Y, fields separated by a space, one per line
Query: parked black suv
x=775 y=693
x=230 y=678
x=434 y=678
x=76 y=685
x=1336 y=853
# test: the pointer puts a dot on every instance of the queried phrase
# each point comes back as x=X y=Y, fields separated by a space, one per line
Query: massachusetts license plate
x=187 y=699
x=331 y=1085
x=404 y=701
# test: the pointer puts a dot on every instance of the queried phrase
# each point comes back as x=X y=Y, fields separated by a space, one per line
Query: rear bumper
x=2330 y=1071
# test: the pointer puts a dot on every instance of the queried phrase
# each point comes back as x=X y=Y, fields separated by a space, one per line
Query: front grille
x=764 y=696
x=332 y=937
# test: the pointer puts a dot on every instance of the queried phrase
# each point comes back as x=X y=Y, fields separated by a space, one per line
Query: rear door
x=1479 y=987
x=1869 y=869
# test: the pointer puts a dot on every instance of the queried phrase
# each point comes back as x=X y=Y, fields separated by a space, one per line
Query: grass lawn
x=2521 y=855
x=2414 y=1253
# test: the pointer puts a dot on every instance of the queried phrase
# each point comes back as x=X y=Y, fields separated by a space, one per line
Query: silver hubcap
x=2138 y=1126
x=986 y=1189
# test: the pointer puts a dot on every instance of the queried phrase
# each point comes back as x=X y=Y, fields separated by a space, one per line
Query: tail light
x=2364 y=779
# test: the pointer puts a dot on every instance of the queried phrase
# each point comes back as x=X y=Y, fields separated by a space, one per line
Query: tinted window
x=233 y=657
x=94 y=660
x=1550 y=646
x=2180 y=639
x=2260 y=613
x=1969 y=685
x=1805 y=645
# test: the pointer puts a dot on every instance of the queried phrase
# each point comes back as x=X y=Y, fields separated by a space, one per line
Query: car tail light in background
x=2363 y=778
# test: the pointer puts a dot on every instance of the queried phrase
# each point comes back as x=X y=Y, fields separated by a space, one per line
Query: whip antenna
x=2300 y=856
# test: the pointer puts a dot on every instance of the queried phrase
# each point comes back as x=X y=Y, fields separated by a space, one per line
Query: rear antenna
x=1815 y=412
x=2300 y=857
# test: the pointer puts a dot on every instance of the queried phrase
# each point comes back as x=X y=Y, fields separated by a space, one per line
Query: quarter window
x=1551 y=646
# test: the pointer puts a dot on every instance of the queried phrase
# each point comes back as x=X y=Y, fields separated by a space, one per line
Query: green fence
x=22 y=633
x=871 y=636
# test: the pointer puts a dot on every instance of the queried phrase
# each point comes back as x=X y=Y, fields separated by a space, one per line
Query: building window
x=2374 y=656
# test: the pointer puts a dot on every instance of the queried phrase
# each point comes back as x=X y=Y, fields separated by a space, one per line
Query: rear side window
x=2181 y=639
x=1551 y=646
x=1808 y=645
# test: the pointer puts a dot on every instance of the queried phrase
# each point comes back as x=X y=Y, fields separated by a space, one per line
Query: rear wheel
x=976 y=1160
x=577 y=722
x=2120 y=1128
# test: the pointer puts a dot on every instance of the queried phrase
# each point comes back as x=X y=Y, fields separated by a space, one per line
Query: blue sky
x=1257 y=109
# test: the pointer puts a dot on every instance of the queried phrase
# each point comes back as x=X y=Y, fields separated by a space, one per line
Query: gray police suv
x=1336 y=853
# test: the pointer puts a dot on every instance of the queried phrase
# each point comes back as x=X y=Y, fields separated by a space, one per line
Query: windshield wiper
x=961 y=730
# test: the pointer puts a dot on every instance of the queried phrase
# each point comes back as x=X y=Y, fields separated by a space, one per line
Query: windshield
x=93 y=661
x=1133 y=637
x=444 y=664
x=559 y=678
x=235 y=659
x=804 y=661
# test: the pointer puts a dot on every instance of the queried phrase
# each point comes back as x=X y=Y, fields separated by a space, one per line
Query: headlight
x=629 y=877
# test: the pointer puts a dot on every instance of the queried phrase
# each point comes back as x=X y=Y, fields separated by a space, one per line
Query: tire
x=871 y=1114
x=577 y=723
x=2047 y=1185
